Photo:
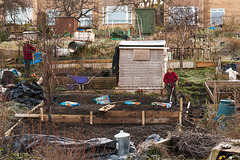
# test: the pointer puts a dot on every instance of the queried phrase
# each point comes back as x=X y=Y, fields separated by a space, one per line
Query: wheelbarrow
x=80 y=81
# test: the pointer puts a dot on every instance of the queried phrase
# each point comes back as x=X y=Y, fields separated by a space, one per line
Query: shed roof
x=160 y=43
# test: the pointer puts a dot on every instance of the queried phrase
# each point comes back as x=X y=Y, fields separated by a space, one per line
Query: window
x=217 y=16
x=117 y=15
x=51 y=14
x=20 y=16
x=183 y=15
x=86 y=19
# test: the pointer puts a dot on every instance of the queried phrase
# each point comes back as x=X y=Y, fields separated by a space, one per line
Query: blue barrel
x=226 y=107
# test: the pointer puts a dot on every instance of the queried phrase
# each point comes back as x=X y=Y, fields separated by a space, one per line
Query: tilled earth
x=86 y=131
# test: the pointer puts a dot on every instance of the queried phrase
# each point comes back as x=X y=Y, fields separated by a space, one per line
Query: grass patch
x=196 y=76
x=190 y=82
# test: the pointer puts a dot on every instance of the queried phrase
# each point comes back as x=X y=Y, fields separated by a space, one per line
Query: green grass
x=195 y=76
x=190 y=82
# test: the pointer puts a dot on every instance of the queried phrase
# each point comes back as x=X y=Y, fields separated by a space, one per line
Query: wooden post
x=143 y=118
x=91 y=117
x=180 y=114
x=235 y=95
x=19 y=121
x=41 y=113
x=215 y=95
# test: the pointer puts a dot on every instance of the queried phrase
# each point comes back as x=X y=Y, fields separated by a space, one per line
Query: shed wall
x=63 y=24
x=141 y=74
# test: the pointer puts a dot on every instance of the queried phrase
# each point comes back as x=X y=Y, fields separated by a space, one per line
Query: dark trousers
x=169 y=90
x=27 y=68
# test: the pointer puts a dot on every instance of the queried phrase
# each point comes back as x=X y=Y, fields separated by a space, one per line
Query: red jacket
x=170 y=78
x=27 y=51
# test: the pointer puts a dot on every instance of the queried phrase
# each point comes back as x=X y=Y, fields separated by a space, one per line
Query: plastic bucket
x=226 y=107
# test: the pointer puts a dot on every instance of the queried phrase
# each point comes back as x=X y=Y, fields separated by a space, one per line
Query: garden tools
x=173 y=87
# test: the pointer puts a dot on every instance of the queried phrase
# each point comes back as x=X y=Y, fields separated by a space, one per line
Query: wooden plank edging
x=19 y=121
x=114 y=117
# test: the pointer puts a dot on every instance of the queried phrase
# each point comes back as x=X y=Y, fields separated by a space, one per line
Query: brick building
x=106 y=13
x=207 y=12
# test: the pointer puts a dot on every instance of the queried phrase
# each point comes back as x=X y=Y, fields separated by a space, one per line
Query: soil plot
x=85 y=131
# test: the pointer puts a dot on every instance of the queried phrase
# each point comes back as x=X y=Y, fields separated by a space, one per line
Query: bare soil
x=85 y=131
x=87 y=104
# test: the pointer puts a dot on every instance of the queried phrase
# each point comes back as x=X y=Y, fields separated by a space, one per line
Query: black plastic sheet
x=30 y=94
x=28 y=142
x=232 y=65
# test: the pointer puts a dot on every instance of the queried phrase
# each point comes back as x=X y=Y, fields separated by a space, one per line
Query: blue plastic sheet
x=69 y=103
x=102 y=100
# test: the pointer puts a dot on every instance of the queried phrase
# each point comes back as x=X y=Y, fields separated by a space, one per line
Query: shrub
x=3 y=36
x=117 y=33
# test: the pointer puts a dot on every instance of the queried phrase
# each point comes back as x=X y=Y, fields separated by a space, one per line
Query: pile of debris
x=194 y=145
x=31 y=94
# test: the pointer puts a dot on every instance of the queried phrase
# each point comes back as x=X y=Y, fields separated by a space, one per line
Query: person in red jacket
x=170 y=79
x=27 y=57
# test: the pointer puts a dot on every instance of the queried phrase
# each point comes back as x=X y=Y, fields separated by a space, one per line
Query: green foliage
x=190 y=82
x=154 y=152
x=229 y=34
x=6 y=154
x=117 y=33
x=18 y=156
x=195 y=76
x=98 y=91
x=20 y=59
x=66 y=34
x=3 y=36
x=100 y=33
x=217 y=33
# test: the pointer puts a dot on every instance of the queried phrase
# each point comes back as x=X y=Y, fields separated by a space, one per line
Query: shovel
x=171 y=97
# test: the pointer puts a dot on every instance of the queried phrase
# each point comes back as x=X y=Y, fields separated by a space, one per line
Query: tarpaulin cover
x=102 y=100
x=69 y=103
x=131 y=103
x=26 y=144
x=29 y=93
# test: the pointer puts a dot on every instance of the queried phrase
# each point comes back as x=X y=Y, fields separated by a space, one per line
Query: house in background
x=176 y=11
x=218 y=11
x=116 y=15
x=205 y=13
x=107 y=14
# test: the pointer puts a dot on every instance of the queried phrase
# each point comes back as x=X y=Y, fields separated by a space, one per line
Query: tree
x=11 y=9
x=183 y=20
x=76 y=8
x=45 y=45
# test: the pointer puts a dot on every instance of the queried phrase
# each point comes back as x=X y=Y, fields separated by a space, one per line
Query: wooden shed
x=62 y=24
x=142 y=65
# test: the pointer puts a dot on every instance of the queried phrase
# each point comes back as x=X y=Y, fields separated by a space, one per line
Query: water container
x=75 y=45
x=122 y=143
x=226 y=107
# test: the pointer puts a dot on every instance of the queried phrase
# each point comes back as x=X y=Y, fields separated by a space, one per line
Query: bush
x=117 y=33
x=100 y=33
x=3 y=36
